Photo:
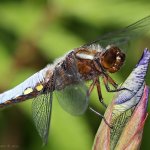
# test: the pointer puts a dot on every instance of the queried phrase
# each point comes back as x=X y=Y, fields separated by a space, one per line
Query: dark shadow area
x=83 y=29
x=8 y=38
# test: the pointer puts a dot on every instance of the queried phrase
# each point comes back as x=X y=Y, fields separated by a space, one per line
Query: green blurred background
x=35 y=32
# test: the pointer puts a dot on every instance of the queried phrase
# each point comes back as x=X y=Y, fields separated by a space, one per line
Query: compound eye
x=108 y=59
x=112 y=59
x=122 y=56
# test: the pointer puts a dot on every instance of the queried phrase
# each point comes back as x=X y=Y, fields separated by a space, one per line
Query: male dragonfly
x=68 y=74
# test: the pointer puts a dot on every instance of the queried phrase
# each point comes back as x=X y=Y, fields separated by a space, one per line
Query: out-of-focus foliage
x=34 y=33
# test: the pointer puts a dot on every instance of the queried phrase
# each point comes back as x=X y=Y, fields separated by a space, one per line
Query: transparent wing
x=124 y=36
x=41 y=110
x=73 y=98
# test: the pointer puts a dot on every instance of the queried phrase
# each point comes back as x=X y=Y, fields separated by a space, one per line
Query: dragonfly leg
x=91 y=87
x=107 y=79
x=100 y=93
x=97 y=113
x=97 y=83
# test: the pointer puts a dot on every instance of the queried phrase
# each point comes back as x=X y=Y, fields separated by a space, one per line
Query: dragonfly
x=68 y=75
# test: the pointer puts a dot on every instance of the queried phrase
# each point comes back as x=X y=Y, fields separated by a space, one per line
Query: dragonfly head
x=112 y=59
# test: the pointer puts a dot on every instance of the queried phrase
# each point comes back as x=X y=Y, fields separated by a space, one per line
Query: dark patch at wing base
x=72 y=95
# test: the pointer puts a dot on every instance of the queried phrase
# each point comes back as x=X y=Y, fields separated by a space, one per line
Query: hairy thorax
x=85 y=63
x=87 y=69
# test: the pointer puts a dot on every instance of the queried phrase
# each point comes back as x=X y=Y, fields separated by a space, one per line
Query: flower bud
x=127 y=112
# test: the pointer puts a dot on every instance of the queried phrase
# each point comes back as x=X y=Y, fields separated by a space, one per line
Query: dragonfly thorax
x=85 y=62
